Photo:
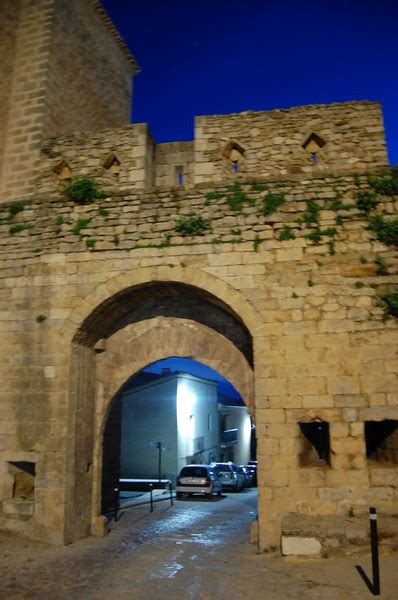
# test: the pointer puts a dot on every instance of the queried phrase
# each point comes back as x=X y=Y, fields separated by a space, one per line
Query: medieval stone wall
x=322 y=350
x=8 y=16
x=25 y=89
x=263 y=145
x=174 y=164
x=63 y=70
x=278 y=142
x=120 y=159
x=89 y=79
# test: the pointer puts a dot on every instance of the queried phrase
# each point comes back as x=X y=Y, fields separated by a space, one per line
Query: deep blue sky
x=187 y=365
x=223 y=56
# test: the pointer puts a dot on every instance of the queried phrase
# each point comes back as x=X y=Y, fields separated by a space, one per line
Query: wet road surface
x=197 y=549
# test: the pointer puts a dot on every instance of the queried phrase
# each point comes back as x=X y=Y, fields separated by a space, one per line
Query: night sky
x=223 y=56
x=187 y=365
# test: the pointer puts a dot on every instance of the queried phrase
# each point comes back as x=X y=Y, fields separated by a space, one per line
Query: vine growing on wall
x=271 y=203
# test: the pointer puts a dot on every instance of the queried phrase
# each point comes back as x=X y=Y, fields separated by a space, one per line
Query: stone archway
x=131 y=300
x=136 y=346
x=78 y=322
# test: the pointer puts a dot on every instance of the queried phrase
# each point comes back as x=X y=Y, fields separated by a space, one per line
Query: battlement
x=308 y=141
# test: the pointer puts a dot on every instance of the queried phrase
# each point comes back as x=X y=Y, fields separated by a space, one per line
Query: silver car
x=229 y=475
x=198 y=479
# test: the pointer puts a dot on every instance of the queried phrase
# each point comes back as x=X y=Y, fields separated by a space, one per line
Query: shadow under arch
x=112 y=295
x=133 y=299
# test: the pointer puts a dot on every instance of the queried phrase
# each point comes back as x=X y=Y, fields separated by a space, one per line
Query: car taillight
x=178 y=482
x=207 y=482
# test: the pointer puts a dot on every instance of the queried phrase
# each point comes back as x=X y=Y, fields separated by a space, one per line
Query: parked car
x=246 y=474
x=252 y=468
x=198 y=479
x=229 y=475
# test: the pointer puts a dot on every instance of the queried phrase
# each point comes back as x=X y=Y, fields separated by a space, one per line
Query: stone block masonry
x=320 y=349
x=248 y=249
x=64 y=69
x=272 y=145
x=304 y=139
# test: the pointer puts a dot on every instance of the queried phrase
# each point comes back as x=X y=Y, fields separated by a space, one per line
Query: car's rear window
x=193 y=472
x=222 y=469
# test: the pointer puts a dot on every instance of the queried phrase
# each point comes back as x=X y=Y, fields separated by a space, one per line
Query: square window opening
x=23 y=473
x=381 y=438
x=315 y=440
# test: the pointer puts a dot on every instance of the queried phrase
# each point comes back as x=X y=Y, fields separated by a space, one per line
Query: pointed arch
x=96 y=302
x=63 y=171
x=111 y=163
x=234 y=155
x=313 y=143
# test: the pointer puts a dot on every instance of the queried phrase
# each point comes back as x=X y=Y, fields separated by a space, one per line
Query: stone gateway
x=266 y=249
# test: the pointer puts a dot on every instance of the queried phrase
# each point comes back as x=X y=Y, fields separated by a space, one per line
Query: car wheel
x=179 y=494
x=219 y=494
x=209 y=495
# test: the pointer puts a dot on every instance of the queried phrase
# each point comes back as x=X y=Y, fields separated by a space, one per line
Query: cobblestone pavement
x=196 y=550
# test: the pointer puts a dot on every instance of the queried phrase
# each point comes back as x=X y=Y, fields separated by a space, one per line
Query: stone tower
x=63 y=68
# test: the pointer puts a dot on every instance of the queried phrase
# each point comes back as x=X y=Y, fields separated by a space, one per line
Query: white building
x=178 y=410
x=235 y=434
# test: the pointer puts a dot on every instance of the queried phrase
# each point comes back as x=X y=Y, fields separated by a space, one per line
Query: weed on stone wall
x=192 y=225
x=256 y=243
x=389 y=303
x=103 y=212
x=80 y=225
x=84 y=190
x=286 y=234
x=381 y=266
x=271 y=203
x=384 y=229
x=367 y=201
x=236 y=198
x=90 y=243
x=385 y=184
x=15 y=208
x=213 y=196
x=17 y=228
x=311 y=216
x=316 y=236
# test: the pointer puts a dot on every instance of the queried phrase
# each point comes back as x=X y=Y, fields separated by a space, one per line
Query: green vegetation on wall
x=271 y=203
x=192 y=225
x=84 y=190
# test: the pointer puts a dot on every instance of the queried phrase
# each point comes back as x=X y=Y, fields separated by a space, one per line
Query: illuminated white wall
x=176 y=410
x=197 y=419
x=238 y=417
x=149 y=416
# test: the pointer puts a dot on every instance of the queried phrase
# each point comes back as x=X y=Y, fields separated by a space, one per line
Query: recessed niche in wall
x=19 y=500
x=23 y=473
x=234 y=155
x=63 y=171
x=315 y=440
x=111 y=163
x=381 y=438
x=313 y=145
x=179 y=174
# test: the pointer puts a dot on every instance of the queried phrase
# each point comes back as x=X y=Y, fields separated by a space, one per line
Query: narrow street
x=197 y=549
